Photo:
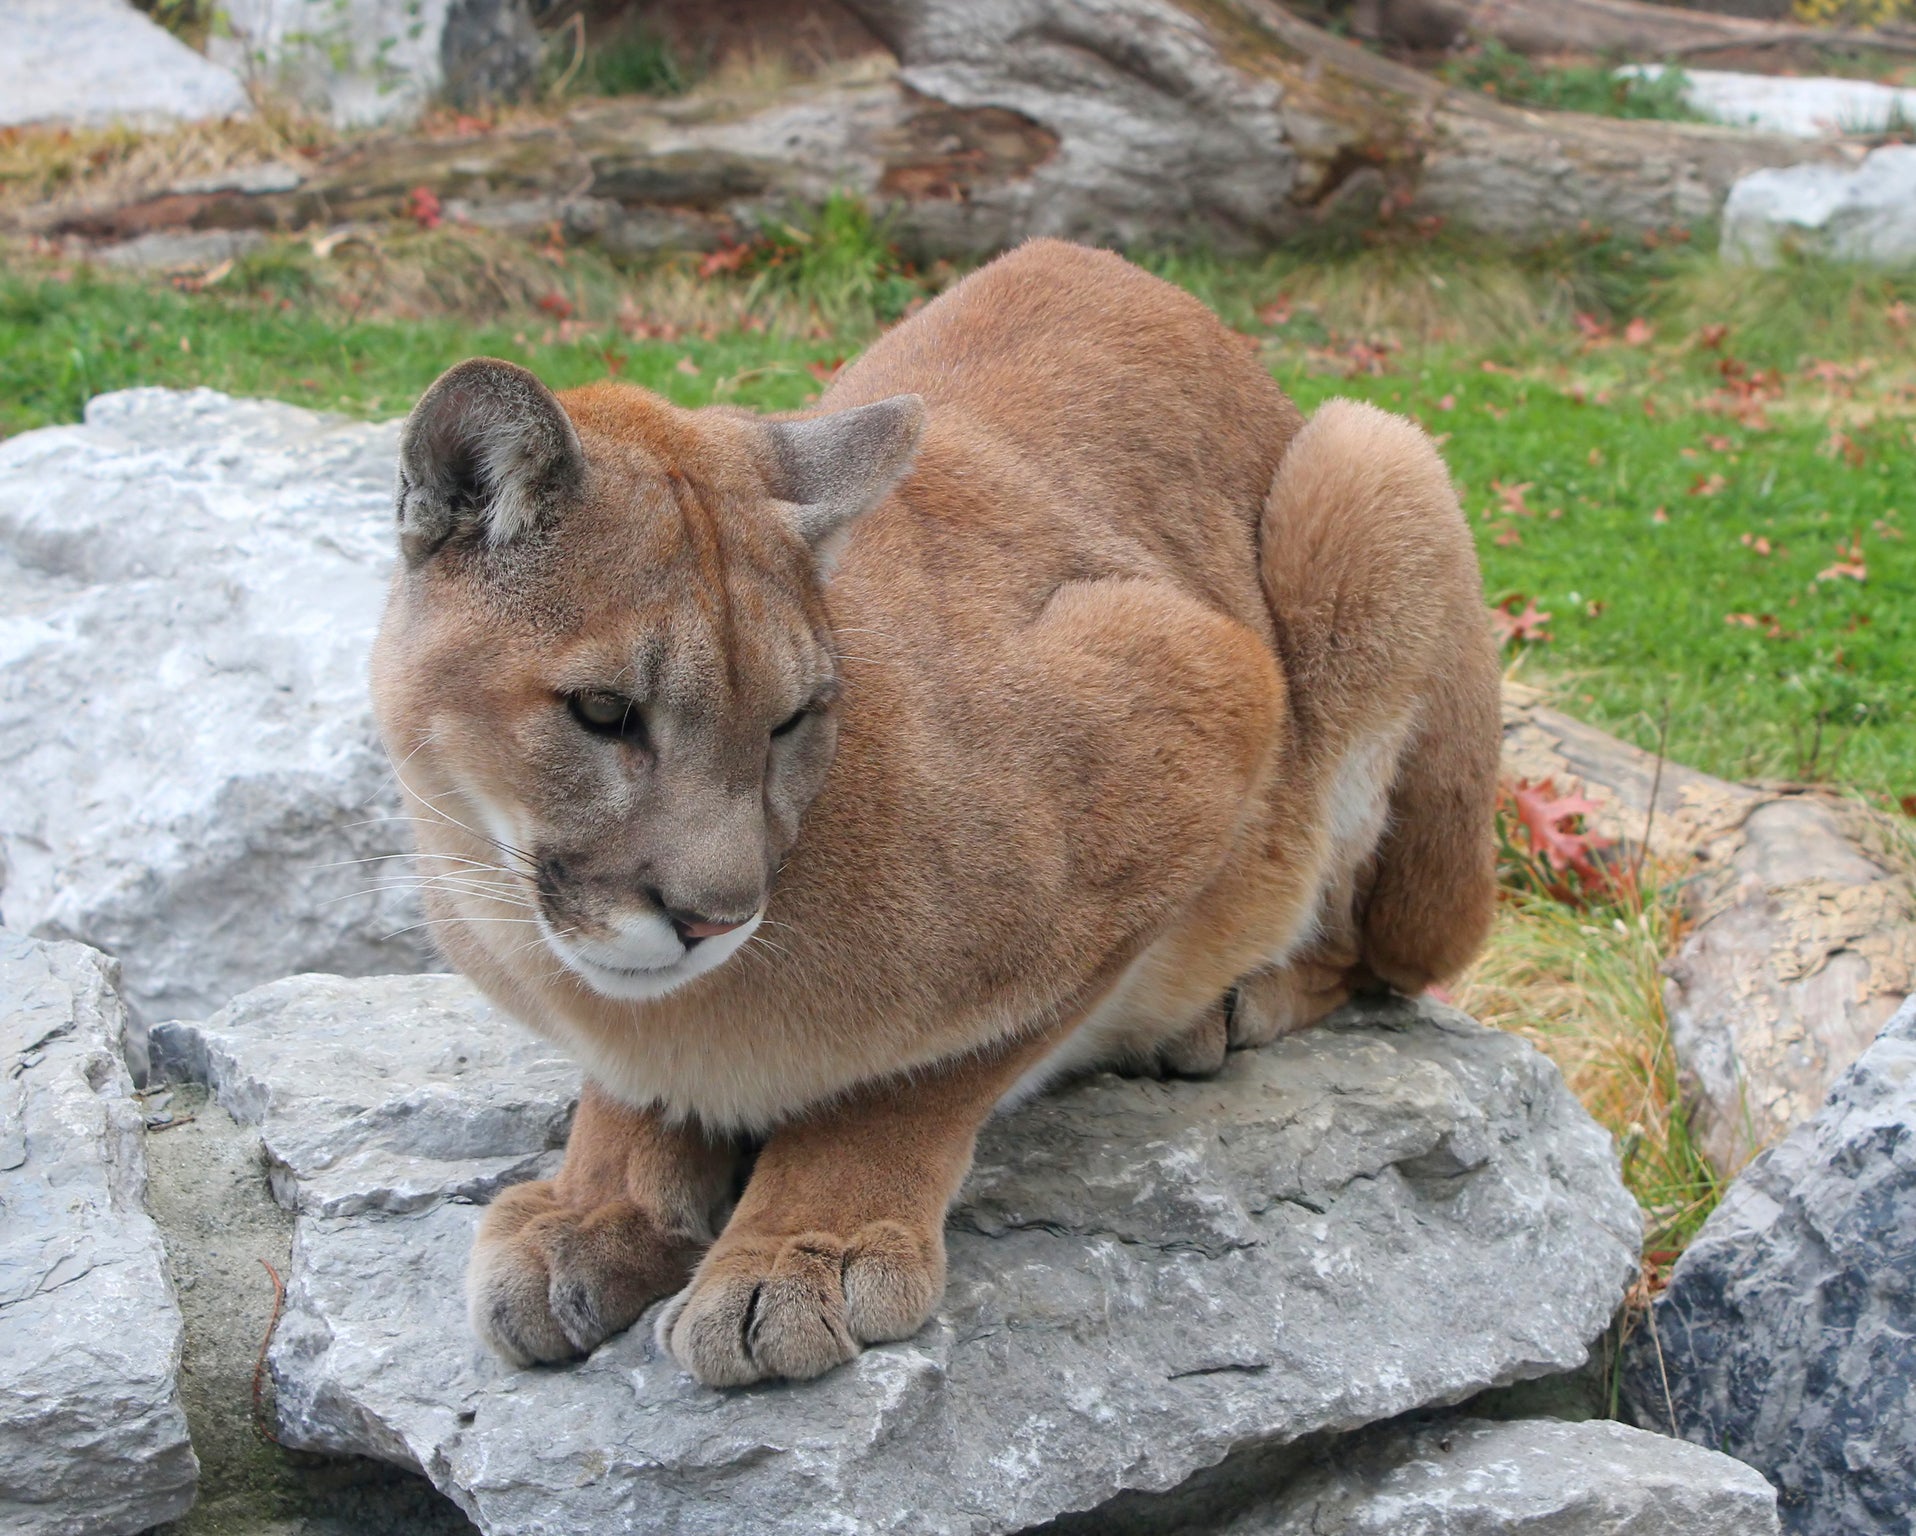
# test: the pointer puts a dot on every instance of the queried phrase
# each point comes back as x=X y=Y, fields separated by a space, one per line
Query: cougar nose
x=692 y=928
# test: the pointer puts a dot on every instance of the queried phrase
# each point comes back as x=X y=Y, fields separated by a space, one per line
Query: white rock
x=93 y=1438
x=100 y=61
x=1476 y=1477
x=188 y=591
x=1812 y=108
x=364 y=62
x=1864 y=213
x=1146 y=1278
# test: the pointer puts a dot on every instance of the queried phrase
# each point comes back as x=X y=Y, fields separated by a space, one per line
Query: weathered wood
x=1225 y=124
x=1621 y=28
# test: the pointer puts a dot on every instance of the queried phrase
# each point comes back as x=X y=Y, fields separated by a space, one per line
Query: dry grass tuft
x=1585 y=986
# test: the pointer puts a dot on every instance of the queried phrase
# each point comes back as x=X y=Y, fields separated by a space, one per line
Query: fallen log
x=1226 y=124
x=1608 y=28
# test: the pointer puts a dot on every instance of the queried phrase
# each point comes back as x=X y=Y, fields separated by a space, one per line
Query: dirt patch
x=208 y=1193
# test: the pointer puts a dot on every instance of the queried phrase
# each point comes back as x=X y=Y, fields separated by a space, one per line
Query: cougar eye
x=607 y=714
x=793 y=722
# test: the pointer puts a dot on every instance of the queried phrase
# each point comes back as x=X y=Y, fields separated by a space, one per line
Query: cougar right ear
x=487 y=450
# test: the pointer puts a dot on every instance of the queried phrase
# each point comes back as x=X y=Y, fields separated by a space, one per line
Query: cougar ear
x=834 y=468
x=487 y=449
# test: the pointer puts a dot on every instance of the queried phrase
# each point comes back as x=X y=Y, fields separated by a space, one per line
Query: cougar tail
x=1371 y=575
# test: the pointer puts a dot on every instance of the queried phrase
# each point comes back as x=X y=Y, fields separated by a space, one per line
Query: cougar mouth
x=607 y=969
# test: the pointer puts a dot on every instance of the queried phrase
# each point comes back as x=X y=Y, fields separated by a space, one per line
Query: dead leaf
x=1525 y=627
x=727 y=258
x=686 y=366
x=1512 y=496
x=1639 y=332
x=1708 y=485
x=1850 y=562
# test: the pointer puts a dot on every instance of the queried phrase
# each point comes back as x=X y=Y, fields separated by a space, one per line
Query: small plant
x=839 y=258
x=633 y=60
x=1497 y=71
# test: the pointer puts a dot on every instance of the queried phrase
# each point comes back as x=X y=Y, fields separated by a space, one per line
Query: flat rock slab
x=1787 y=1336
x=189 y=587
x=1542 y=1477
x=100 y=61
x=93 y=1438
x=1394 y=1211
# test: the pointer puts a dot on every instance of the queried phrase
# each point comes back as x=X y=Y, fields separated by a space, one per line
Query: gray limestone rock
x=391 y=1093
x=93 y=1439
x=1146 y=1278
x=100 y=61
x=363 y=62
x=1787 y=1336
x=1863 y=213
x=1537 y=1477
x=189 y=586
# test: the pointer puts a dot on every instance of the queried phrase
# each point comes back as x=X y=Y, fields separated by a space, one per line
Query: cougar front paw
x=549 y=1281
x=797 y=1306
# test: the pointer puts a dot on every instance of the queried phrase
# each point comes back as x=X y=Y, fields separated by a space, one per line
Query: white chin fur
x=650 y=961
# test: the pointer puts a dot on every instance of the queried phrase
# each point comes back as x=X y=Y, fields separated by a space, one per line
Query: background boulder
x=95 y=62
x=365 y=62
x=189 y=586
x=1864 y=213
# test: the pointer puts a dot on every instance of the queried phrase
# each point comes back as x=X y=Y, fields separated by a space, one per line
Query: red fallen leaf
x=1275 y=313
x=1850 y=561
x=1507 y=537
x=1638 y=332
x=1899 y=315
x=1659 y=516
x=1525 y=627
x=1712 y=336
x=556 y=304
x=1756 y=542
x=422 y=207
x=1708 y=485
x=614 y=362
x=1447 y=403
x=686 y=366
x=1558 y=829
x=1717 y=444
x=1908 y=803
x=1841 y=443
x=727 y=258
x=825 y=372
x=1590 y=327
x=1841 y=377
x=1489 y=367
x=1512 y=496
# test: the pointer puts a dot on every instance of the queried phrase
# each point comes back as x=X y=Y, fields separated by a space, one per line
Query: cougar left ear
x=488 y=451
x=832 y=469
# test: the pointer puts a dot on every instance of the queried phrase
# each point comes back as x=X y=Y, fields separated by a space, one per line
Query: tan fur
x=1149 y=722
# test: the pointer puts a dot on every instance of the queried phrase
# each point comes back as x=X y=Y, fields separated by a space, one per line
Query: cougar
x=1051 y=697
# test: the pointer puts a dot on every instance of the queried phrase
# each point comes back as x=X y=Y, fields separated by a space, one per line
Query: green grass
x=1496 y=71
x=1484 y=350
x=63 y=342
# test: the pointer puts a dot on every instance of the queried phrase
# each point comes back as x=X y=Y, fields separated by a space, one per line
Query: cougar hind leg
x=1372 y=578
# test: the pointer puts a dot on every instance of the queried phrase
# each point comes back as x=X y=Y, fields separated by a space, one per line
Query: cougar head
x=606 y=674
